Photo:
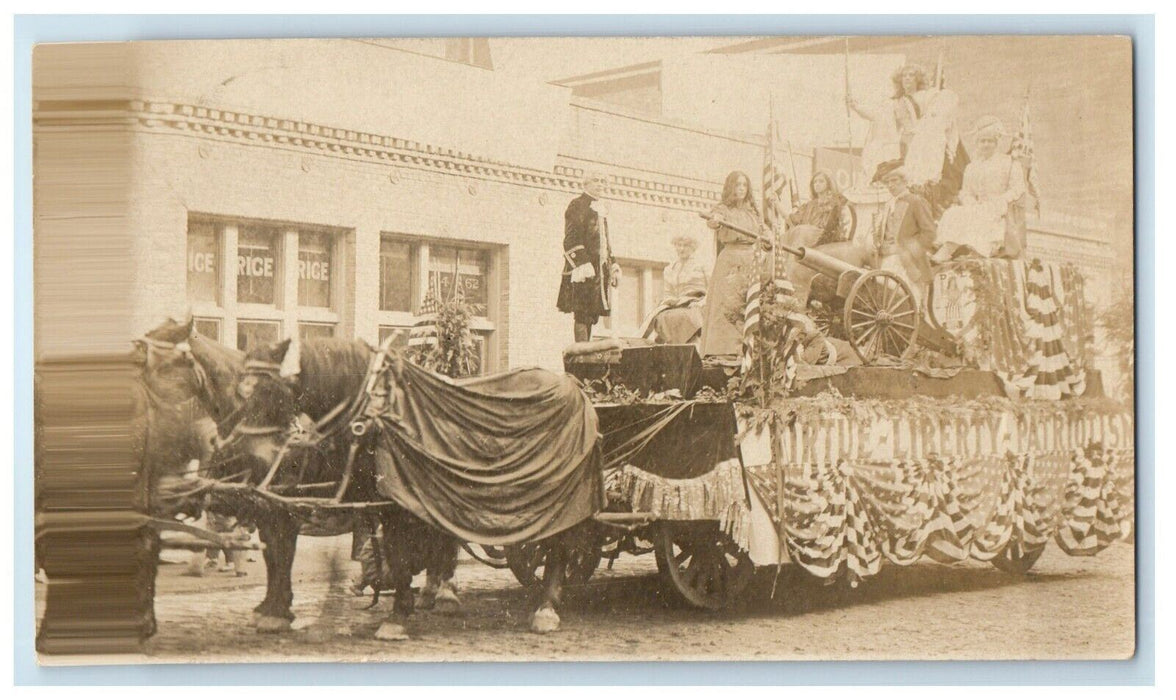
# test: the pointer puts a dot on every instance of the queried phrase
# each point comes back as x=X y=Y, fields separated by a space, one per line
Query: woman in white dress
x=678 y=318
x=992 y=182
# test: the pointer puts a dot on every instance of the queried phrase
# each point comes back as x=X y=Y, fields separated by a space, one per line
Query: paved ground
x=1067 y=608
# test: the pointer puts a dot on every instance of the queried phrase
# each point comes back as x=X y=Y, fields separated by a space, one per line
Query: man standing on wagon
x=589 y=269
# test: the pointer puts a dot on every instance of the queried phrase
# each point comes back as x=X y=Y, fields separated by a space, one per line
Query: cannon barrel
x=821 y=262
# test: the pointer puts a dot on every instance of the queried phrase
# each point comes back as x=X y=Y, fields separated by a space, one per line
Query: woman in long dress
x=822 y=211
x=678 y=318
x=735 y=266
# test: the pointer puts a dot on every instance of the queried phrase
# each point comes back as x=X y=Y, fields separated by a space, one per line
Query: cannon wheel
x=701 y=563
x=527 y=562
x=881 y=316
x=1012 y=562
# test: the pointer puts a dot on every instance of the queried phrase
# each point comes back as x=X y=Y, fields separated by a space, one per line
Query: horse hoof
x=544 y=621
x=427 y=601
x=392 y=632
x=272 y=625
x=448 y=603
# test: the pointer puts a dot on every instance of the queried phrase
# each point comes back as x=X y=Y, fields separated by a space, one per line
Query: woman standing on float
x=734 y=266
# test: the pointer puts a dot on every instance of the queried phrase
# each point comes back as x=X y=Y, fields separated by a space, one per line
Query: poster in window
x=257 y=253
x=203 y=267
x=465 y=265
x=395 y=276
x=314 y=270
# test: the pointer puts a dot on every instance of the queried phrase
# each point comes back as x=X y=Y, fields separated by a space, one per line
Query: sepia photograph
x=690 y=348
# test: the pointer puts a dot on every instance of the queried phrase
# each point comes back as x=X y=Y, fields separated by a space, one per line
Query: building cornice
x=277 y=132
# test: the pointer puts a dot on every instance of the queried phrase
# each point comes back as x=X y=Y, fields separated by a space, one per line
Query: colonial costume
x=734 y=271
x=991 y=186
x=589 y=269
x=678 y=318
x=906 y=232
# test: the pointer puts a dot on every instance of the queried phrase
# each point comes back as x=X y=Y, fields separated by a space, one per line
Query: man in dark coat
x=907 y=232
x=589 y=268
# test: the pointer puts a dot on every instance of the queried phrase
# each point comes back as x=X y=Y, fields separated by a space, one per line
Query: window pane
x=209 y=328
x=469 y=265
x=306 y=331
x=252 y=334
x=400 y=333
x=257 y=254
x=395 y=275
x=314 y=269
x=659 y=289
x=203 y=255
x=627 y=300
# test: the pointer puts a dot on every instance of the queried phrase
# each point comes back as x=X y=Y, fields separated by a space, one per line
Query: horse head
x=165 y=359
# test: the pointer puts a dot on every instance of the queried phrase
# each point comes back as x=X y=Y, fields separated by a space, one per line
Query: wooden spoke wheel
x=1014 y=560
x=847 y=222
x=701 y=563
x=881 y=316
x=528 y=563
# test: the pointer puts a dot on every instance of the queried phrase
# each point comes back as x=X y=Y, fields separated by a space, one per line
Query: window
x=396 y=275
x=401 y=333
x=203 y=263
x=314 y=269
x=411 y=269
x=209 y=328
x=257 y=256
x=638 y=293
x=253 y=334
x=306 y=331
x=253 y=282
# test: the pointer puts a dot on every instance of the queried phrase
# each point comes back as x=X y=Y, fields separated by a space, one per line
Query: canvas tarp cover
x=497 y=460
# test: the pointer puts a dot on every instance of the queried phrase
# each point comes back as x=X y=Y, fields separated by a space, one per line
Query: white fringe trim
x=719 y=495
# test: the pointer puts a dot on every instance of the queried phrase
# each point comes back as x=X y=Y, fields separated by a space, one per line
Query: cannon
x=880 y=312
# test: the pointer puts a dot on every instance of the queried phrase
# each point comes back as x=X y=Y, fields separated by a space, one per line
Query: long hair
x=920 y=79
x=831 y=184
x=729 y=192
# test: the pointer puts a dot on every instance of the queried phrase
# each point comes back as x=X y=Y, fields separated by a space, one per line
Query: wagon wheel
x=528 y=563
x=701 y=563
x=881 y=316
x=1017 y=562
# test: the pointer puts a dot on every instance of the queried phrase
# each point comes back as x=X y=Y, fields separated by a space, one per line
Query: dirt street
x=1067 y=608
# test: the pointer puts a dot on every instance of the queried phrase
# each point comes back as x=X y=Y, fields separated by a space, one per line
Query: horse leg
x=397 y=555
x=545 y=619
x=281 y=538
x=440 y=592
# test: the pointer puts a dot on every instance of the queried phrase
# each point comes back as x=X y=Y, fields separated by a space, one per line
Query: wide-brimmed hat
x=590 y=175
x=888 y=169
x=988 y=127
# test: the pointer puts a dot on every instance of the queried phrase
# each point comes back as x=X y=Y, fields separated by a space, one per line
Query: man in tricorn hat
x=906 y=229
x=589 y=270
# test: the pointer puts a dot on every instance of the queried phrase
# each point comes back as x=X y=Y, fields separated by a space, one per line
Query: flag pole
x=849 y=119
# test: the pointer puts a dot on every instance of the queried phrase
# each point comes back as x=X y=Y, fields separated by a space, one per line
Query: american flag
x=1022 y=151
x=424 y=328
x=778 y=193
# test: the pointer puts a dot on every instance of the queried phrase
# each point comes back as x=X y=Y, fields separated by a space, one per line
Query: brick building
x=324 y=188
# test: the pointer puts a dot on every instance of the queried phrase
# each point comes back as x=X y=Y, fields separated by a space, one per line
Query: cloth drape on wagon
x=497 y=460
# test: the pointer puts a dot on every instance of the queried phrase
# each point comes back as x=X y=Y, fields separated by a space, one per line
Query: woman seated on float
x=993 y=183
x=678 y=318
x=821 y=214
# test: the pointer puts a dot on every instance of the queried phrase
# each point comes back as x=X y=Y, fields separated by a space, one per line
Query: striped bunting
x=855 y=491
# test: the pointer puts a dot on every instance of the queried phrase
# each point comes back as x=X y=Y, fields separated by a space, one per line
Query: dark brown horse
x=330 y=372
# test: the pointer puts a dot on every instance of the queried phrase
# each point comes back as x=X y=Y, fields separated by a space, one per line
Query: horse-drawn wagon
x=711 y=468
